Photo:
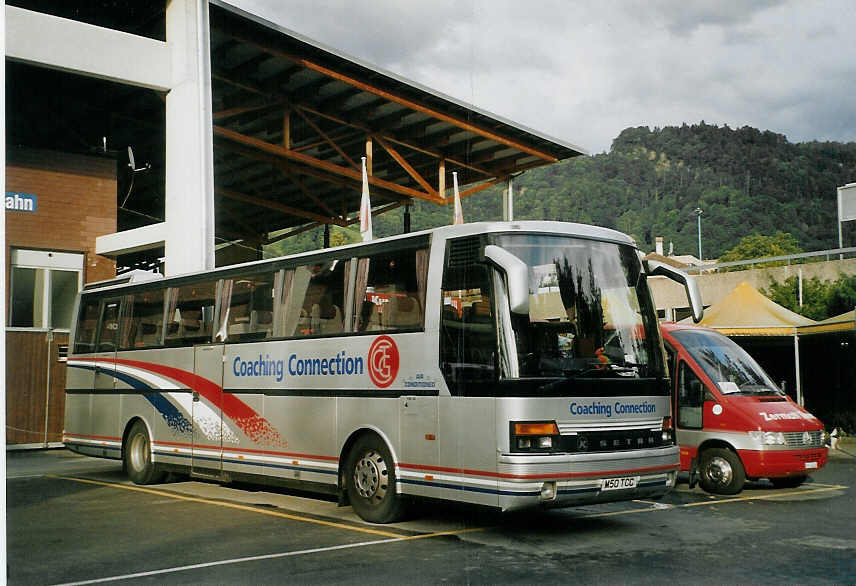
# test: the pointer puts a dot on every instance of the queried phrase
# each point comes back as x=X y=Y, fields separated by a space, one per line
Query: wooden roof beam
x=329 y=140
x=406 y=166
x=347 y=183
x=392 y=97
x=229 y=112
x=391 y=138
x=273 y=205
x=303 y=189
x=319 y=164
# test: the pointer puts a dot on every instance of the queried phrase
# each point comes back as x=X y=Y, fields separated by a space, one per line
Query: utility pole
x=698 y=212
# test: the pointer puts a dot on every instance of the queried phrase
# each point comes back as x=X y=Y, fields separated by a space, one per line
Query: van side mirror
x=690 y=285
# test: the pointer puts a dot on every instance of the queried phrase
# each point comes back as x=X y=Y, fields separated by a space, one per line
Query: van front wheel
x=721 y=471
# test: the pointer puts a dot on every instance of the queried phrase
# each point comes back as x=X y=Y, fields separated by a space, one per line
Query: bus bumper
x=782 y=463
x=564 y=480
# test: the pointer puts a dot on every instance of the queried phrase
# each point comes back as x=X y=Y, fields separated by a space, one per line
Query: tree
x=759 y=246
x=821 y=299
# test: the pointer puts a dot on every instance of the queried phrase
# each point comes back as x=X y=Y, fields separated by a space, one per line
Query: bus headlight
x=534 y=436
x=768 y=438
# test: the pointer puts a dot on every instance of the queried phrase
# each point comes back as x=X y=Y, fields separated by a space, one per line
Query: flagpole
x=459 y=212
x=365 y=208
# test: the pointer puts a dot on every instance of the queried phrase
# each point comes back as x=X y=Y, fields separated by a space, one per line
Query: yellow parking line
x=231 y=506
x=719 y=501
x=765 y=496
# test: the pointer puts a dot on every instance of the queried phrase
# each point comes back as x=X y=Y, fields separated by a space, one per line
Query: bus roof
x=443 y=232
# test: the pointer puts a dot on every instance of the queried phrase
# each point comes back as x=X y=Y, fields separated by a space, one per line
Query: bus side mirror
x=516 y=275
x=690 y=285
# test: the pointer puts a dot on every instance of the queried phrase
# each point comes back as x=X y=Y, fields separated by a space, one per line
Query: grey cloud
x=582 y=71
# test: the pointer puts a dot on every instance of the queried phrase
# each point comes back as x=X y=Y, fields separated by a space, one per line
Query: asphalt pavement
x=73 y=519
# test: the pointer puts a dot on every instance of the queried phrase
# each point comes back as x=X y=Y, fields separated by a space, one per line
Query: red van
x=733 y=423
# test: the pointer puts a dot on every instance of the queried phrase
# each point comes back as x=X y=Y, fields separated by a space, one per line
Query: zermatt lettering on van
x=779 y=416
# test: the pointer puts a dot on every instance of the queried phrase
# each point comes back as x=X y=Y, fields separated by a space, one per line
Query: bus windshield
x=728 y=365
x=590 y=313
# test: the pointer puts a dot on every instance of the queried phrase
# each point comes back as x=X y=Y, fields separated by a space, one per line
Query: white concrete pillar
x=508 y=201
x=189 y=206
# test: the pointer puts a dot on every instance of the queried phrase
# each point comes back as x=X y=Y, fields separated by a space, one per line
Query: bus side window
x=108 y=334
x=87 y=323
x=143 y=320
x=390 y=291
x=190 y=314
x=249 y=313
x=313 y=298
x=690 y=397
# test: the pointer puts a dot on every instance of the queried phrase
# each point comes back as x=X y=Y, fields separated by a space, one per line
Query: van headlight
x=768 y=438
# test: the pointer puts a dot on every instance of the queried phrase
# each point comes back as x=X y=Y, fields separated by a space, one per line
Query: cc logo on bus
x=383 y=361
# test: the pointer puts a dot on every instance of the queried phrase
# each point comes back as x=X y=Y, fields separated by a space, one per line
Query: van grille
x=804 y=439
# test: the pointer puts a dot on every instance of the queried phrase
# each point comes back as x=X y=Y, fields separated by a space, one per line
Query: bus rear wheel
x=721 y=471
x=370 y=481
x=137 y=456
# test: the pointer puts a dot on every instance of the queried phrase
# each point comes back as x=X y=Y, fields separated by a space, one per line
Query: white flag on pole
x=365 y=208
x=459 y=212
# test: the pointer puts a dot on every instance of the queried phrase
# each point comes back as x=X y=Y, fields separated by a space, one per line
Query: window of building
x=44 y=285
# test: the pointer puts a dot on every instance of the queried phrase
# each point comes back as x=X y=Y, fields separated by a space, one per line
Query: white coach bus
x=503 y=364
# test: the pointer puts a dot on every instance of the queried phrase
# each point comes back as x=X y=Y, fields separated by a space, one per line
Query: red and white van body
x=771 y=435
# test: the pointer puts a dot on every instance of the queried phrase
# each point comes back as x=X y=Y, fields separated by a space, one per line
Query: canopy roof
x=838 y=323
x=746 y=312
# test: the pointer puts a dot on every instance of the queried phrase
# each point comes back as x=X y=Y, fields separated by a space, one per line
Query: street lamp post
x=698 y=213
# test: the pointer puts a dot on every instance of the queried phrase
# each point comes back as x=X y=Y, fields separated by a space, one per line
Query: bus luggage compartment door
x=207 y=451
x=420 y=451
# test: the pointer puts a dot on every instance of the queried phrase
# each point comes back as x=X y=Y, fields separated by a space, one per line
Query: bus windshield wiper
x=601 y=368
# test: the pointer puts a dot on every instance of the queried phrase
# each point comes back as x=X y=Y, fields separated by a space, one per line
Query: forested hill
x=745 y=180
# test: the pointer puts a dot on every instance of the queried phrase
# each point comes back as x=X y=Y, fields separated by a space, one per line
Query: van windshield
x=728 y=365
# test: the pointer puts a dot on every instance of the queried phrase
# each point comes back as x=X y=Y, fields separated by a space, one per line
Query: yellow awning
x=837 y=323
x=746 y=312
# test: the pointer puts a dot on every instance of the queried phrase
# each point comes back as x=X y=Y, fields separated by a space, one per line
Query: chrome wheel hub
x=719 y=471
x=370 y=477
x=139 y=452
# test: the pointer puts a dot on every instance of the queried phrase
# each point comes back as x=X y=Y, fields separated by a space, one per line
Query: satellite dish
x=133 y=166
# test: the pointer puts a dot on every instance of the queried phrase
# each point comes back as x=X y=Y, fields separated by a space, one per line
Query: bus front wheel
x=721 y=471
x=137 y=456
x=370 y=481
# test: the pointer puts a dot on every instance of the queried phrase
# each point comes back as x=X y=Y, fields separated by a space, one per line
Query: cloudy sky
x=581 y=71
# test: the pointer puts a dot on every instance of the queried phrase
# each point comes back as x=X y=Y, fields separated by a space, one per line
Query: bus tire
x=721 y=471
x=370 y=481
x=788 y=481
x=137 y=456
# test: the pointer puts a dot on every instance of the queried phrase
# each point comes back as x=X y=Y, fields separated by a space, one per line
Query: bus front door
x=207 y=407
